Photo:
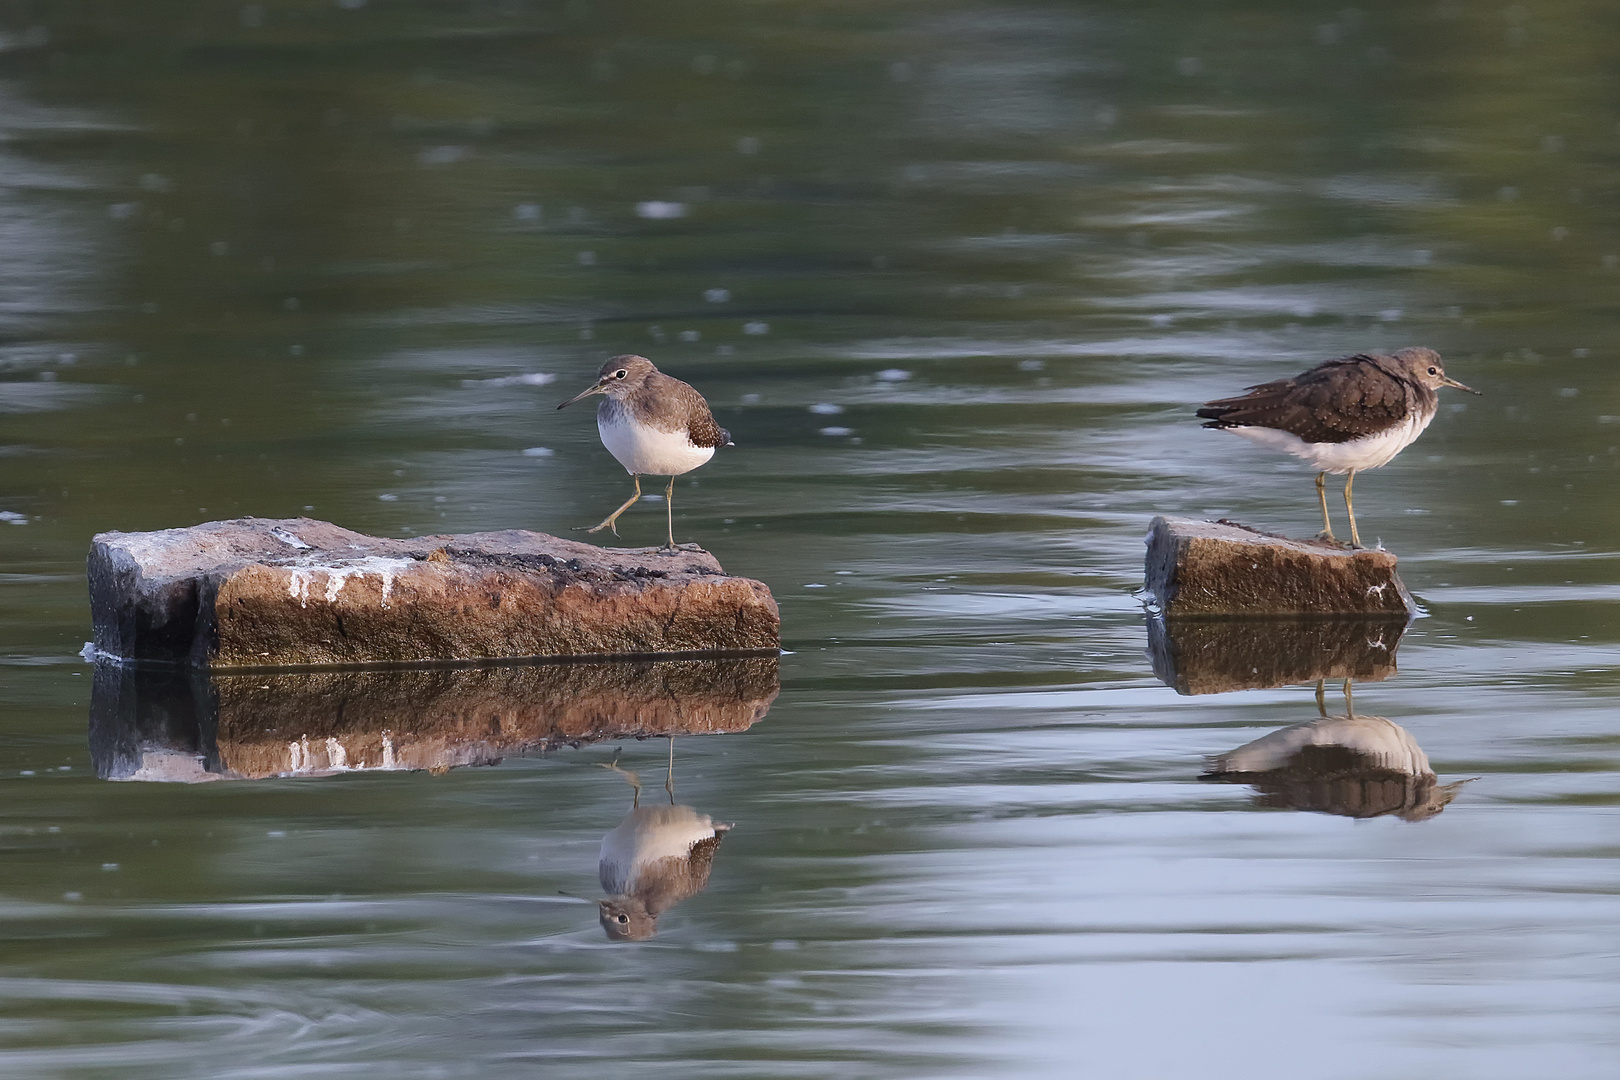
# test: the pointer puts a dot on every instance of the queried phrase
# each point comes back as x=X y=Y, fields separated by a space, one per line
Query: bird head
x=625 y=918
x=1424 y=366
x=619 y=377
x=1428 y=799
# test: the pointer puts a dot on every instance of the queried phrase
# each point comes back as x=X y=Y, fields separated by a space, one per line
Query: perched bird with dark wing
x=655 y=425
x=1343 y=416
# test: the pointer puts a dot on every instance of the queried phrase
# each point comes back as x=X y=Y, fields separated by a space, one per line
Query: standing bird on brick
x=1342 y=416
x=654 y=425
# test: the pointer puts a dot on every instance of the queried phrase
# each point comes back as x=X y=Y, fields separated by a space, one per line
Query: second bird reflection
x=1352 y=765
x=653 y=859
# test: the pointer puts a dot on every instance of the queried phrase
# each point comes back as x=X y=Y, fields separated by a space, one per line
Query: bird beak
x=583 y=394
x=1444 y=381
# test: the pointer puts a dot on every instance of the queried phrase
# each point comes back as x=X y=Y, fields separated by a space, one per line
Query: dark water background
x=954 y=275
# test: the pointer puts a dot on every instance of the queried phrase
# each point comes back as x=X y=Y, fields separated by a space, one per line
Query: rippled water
x=954 y=276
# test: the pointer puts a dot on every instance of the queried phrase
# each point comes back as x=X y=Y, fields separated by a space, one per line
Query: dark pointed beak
x=583 y=394
x=1444 y=381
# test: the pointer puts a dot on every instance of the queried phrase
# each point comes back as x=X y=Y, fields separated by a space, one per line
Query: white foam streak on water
x=1499 y=595
x=531 y=378
x=1198 y=214
x=1380 y=189
x=40 y=397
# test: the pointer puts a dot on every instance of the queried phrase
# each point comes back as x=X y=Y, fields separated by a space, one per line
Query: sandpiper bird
x=1353 y=765
x=1342 y=416
x=653 y=859
x=654 y=424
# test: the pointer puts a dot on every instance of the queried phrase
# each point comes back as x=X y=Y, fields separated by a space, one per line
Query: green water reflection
x=954 y=275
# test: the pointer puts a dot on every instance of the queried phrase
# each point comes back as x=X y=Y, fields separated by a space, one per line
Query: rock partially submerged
x=257 y=592
x=1216 y=569
x=191 y=725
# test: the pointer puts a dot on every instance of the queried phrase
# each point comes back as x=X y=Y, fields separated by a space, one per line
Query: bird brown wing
x=703 y=431
x=688 y=405
x=1331 y=403
x=666 y=882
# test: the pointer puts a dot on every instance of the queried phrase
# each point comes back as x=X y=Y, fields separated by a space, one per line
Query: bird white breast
x=1385 y=745
x=1353 y=455
x=647 y=835
x=645 y=450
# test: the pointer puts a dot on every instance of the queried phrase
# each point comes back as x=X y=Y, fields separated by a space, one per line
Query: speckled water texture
x=955 y=276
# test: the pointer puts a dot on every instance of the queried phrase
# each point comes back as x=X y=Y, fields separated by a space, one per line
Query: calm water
x=954 y=275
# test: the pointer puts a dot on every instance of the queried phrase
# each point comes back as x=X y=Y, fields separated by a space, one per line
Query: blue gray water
x=954 y=275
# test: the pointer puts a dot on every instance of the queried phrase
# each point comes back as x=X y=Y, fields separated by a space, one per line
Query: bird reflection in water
x=1353 y=765
x=653 y=859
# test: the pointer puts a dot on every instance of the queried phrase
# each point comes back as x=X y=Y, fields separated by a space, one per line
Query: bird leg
x=1321 y=697
x=1321 y=497
x=669 y=777
x=669 y=516
x=1349 y=702
x=1355 y=539
x=631 y=778
x=607 y=522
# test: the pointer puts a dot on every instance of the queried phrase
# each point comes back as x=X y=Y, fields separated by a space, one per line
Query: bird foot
x=665 y=549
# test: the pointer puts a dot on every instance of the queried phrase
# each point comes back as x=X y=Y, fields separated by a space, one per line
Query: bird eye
x=1434 y=371
x=624 y=918
x=621 y=373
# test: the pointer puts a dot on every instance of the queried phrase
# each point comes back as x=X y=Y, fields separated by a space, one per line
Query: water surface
x=954 y=275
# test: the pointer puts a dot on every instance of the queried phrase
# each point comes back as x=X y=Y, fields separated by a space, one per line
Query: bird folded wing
x=1336 y=402
x=702 y=429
